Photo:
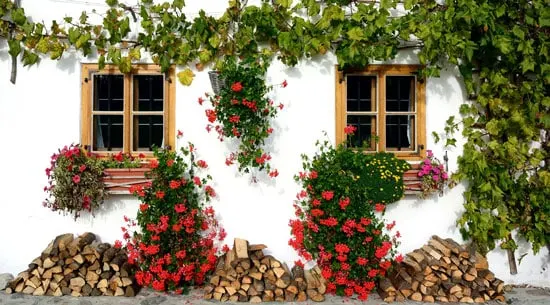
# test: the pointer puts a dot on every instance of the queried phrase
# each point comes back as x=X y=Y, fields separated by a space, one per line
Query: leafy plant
x=74 y=181
x=434 y=176
x=122 y=160
x=340 y=212
x=243 y=111
x=174 y=245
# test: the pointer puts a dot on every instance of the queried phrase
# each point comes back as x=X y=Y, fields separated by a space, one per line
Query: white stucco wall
x=42 y=113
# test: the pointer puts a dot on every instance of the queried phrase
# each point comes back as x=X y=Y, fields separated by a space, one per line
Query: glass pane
x=400 y=93
x=365 y=133
x=400 y=131
x=108 y=92
x=148 y=131
x=107 y=132
x=360 y=93
x=148 y=93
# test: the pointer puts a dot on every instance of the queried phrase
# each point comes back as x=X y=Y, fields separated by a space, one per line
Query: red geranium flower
x=350 y=129
x=76 y=179
x=237 y=87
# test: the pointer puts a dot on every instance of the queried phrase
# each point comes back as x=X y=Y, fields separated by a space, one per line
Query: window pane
x=360 y=93
x=148 y=131
x=148 y=93
x=365 y=133
x=400 y=131
x=400 y=93
x=107 y=132
x=108 y=92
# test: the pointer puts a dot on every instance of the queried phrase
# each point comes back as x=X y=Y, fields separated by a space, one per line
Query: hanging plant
x=434 y=176
x=243 y=111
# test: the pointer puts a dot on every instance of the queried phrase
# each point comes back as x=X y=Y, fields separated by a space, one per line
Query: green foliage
x=502 y=50
x=74 y=181
x=341 y=207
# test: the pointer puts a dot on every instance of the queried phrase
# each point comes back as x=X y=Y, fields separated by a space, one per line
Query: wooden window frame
x=380 y=72
x=88 y=70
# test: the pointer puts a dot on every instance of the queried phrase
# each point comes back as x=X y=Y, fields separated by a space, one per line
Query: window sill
x=411 y=180
x=119 y=180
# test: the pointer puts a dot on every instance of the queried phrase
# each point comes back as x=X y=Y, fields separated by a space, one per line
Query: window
x=127 y=112
x=386 y=104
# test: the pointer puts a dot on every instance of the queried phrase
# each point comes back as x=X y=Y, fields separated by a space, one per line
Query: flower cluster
x=434 y=176
x=175 y=244
x=339 y=216
x=74 y=181
x=243 y=111
x=74 y=178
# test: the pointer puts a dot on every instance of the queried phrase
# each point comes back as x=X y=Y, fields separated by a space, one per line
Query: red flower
x=180 y=134
x=313 y=175
x=327 y=195
x=235 y=119
x=169 y=162
x=379 y=207
x=153 y=163
x=211 y=114
x=210 y=191
x=174 y=184
x=274 y=173
x=373 y=272
x=317 y=212
x=344 y=203
x=118 y=244
x=361 y=261
x=316 y=202
x=180 y=208
x=202 y=164
x=82 y=168
x=76 y=179
x=329 y=222
x=143 y=207
x=225 y=249
x=197 y=181
x=281 y=106
x=299 y=263
x=201 y=100
x=158 y=285
x=284 y=84
x=237 y=87
x=399 y=258
x=159 y=194
x=341 y=248
x=269 y=130
x=350 y=129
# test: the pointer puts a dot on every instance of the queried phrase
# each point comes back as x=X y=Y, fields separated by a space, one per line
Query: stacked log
x=246 y=274
x=442 y=271
x=79 y=267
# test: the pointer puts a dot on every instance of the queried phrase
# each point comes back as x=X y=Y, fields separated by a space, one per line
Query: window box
x=119 y=180
x=413 y=183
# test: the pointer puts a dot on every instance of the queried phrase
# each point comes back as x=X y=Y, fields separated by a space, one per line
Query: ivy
x=501 y=48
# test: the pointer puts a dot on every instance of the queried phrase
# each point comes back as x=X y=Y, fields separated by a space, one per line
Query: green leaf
x=101 y=62
x=178 y=4
x=14 y=47
x=18 y=16
x=518 y=32
x=355 y=33
x=284 y=3
x=186 y=77
x=214 y=41
x=435 y=136
x=29 y=58
x=111 y=2
x=83 y=18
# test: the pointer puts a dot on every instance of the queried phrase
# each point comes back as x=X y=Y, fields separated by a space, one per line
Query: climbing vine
x=501 y=48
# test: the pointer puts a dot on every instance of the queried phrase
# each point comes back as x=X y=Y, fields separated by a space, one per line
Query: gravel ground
x=518 y=296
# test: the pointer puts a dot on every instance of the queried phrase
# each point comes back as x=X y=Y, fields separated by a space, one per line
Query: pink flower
x=76 y=179
x=197 y=181
x=429 y=153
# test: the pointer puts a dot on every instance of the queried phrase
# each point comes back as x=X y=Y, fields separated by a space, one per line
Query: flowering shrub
x=434 y=176
x=340 y=213
x=243 y=111
x=74 y=181
x=174 y=245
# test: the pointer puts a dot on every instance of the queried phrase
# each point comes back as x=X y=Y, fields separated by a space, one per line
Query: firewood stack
x=79 y=267
x=442 y=271
x=245 y=274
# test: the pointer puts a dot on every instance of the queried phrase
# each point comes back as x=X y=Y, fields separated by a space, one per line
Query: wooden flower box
x=119 y=180
x=413 y=183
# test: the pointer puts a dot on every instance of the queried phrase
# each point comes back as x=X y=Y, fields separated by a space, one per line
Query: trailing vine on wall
x=501 y=48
